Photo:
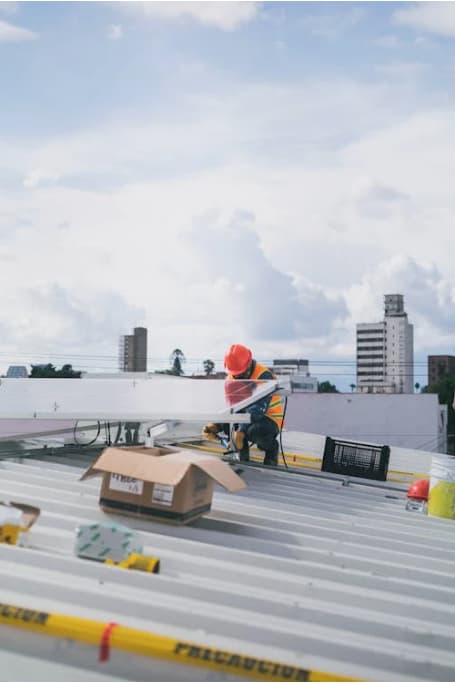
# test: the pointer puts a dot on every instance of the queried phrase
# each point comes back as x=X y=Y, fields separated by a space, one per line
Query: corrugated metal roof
x=297 y=568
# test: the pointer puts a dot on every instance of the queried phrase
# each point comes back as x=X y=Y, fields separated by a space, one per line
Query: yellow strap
x=157 y=646
x=302 y=461
x=137 y=561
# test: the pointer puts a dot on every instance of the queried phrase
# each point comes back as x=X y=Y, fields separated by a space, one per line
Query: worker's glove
x=239 y=440
x=210 y=432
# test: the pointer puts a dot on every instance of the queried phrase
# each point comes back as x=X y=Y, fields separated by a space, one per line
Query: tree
x=326 y=386
x=417 y=386
x=445 y=389
x=67 y=371
x=209 y=366
x=48 y=370
x=352 y=386
x=177 y=360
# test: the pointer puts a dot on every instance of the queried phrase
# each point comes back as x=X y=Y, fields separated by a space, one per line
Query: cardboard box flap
x=29 y=513
x=221 y=473
x=119 y=457
x=90 y=472
x=150 y=464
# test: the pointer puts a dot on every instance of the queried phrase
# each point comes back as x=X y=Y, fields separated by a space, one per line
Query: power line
x=322 y=362
x=160 y=360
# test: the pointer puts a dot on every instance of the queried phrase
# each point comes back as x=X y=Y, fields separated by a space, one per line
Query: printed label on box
x=163 y=494
x=123 y=483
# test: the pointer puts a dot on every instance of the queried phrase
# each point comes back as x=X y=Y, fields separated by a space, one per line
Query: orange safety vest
x=275 y=409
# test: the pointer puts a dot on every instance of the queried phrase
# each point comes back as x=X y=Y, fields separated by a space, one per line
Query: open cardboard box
x=170 y=485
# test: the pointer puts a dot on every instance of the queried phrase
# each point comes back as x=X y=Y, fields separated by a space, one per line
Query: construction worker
x=266 y=414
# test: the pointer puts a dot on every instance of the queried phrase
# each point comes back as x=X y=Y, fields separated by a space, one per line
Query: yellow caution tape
x=113 y=636
x=297 y=460
x=312 y=463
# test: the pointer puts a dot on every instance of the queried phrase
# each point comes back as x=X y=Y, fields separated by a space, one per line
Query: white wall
x=403 y=461
x=412 y=421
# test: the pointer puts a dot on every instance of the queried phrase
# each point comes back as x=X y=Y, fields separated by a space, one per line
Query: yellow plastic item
x=441 y=499
x=9 y=534
x=137 y=561
x=441 y=502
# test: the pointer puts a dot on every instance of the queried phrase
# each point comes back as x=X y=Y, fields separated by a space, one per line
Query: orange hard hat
x=237 y=359
x=419 y=490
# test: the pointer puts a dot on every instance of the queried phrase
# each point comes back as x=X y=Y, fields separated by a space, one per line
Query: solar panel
x=145 y=399
x=14 y=429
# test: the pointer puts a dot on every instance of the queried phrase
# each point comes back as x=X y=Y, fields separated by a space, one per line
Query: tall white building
x=385 y=351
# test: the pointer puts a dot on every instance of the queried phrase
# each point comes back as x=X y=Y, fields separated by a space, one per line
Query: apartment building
x=133 y=351
x=438 y=366
x=385 y=351
x=296 y=373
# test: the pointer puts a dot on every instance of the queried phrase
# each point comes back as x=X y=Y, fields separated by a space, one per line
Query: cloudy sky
x=224 y=172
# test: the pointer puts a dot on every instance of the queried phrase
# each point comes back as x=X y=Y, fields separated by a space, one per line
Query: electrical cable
x=430 y=444
x=88 y=443
x=119 y=432
x=107 y=429
x=281 y=432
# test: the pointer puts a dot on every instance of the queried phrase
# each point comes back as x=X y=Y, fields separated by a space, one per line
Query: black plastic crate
x=356 y=459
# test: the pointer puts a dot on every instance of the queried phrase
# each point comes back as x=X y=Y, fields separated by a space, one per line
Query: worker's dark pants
x=263 y=434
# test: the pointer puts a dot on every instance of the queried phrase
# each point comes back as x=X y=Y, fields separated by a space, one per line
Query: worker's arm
x=211 y=430
x=258 y=409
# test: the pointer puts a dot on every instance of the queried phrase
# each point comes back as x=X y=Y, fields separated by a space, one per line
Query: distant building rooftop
x=17 y=372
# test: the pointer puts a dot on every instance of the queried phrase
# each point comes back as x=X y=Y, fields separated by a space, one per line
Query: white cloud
x=265 y=303
x=292 y=222
x=388 y=41
x=14 y=34
x=391 y=41
x=429 y=298
x=38 y=177
x=267 y=123
x=423 y=41
x=333 y=24
x=115 y=31
x=8 y=7
x=402 y=69
x=434 y=17
x=379 y=201
x=223 y=15
x=84 y=322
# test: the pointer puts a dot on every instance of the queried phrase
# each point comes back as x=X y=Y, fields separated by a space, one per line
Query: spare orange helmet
x=419 y=490
x=237 y=359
